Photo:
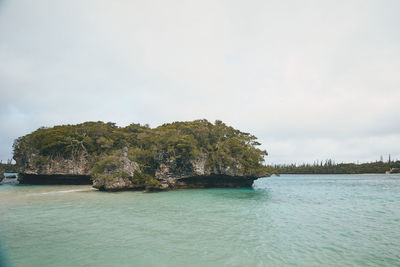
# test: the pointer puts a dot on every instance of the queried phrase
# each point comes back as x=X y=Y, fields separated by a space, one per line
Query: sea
x=291 y=220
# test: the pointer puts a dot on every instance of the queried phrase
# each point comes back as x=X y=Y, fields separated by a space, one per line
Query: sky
x=313 y=80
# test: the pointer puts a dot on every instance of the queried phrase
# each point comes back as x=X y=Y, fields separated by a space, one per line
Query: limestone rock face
x=197 y=174
x=79 y=164
x=119 y=177
x=169 y=174
x=127 y=165
x=38 y=169
x=116 y=184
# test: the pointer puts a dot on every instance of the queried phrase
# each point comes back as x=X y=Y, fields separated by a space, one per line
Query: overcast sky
x=311 y=79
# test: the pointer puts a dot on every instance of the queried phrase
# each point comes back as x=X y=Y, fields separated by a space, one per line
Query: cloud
x=311 y=79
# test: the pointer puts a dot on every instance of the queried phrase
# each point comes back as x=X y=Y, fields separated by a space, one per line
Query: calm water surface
x=292 y=220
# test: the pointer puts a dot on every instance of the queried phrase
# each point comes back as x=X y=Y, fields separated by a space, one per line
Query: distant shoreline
x=330 y=167
x=336 y=173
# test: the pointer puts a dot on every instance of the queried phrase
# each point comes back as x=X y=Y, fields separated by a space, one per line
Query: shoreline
x=336 y=173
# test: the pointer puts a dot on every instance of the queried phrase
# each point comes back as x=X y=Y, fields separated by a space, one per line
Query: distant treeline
x=330 y=167
x=8 y=167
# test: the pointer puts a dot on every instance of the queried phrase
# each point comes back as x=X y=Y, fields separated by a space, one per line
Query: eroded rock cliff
x=199 y=173
x=55 y=169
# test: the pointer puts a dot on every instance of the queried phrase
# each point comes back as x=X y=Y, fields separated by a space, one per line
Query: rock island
x=194 y=154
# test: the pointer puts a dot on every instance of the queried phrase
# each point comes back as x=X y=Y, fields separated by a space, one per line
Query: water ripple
x=326 y=220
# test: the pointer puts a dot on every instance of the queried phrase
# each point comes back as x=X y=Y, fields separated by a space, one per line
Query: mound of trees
x=181 y=141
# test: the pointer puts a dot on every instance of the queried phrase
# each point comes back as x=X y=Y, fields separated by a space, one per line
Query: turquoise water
x=292 y=220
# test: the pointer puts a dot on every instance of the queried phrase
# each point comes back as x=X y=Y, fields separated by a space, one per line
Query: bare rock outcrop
x=38 y=169
x=118 y=172
x=113 y=173
x=198 y=173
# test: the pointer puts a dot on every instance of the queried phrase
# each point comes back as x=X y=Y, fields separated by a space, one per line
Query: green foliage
x=145 y=159
x=68 y=140
x=107 y=169
x=329 y=167
x=107 y=165
x=222 y=145
x=7 y=167
x=141 y=178
x=123 y=175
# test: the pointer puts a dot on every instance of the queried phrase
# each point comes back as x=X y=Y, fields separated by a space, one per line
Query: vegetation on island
x=8 y=167
x=181 y=142
x=330 y=167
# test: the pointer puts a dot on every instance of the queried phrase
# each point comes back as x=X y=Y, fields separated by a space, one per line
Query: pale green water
x=315 y=220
